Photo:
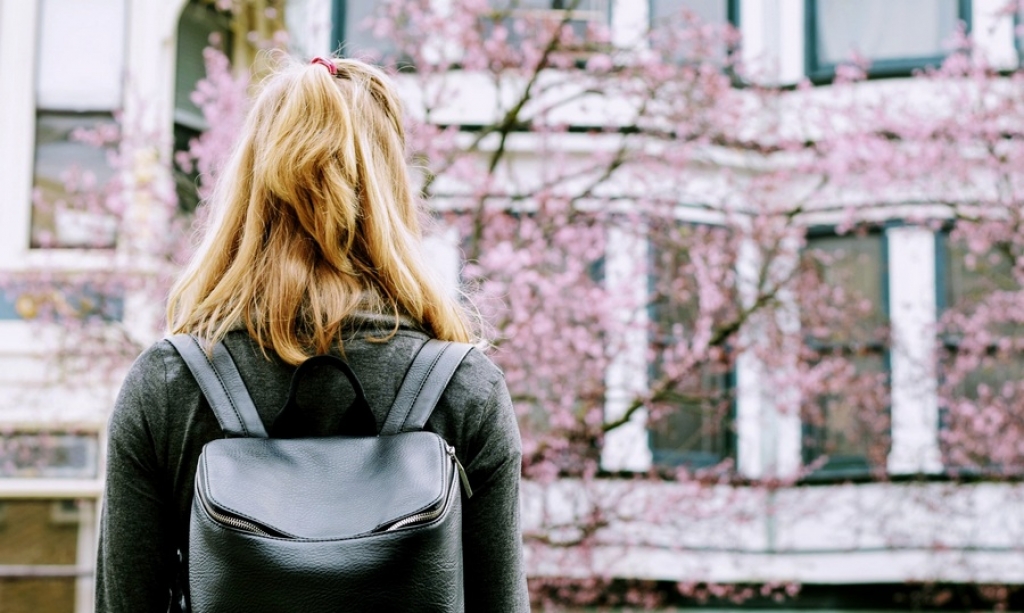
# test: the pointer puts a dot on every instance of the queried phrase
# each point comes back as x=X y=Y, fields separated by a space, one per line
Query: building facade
x=67 y=65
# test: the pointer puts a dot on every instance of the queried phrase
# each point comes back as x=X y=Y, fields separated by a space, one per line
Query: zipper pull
x=462 y=471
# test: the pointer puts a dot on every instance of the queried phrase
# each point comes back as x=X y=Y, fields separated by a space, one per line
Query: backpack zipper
x=425 y=516
x=229 y=520
x=432 y=514
x=462 y=471
x=422 y=517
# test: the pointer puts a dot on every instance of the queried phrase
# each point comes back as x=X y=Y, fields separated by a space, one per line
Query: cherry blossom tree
x=633 y=219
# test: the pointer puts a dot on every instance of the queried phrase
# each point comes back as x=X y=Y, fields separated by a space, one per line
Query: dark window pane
x=353 y=31
x=981 y=382
x=691 y=420
x=591 y=9
x=68 y=209
x=992 y=374
x=696 y=429
x=900 y=35
x=970 y=278
x=48 y=455
x=847 y=425
x=46 y=300
x=851 y=428
x=588 y=21
x=855 y=264
x=707 y=11
x=200 y=26
x=674 y=32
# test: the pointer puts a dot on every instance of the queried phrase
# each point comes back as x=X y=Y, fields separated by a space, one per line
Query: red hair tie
x=331 y=68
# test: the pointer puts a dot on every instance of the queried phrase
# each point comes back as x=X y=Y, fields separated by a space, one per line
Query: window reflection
x=692 y=422
x=895 y=37
x=68 y=183
x=846 y=427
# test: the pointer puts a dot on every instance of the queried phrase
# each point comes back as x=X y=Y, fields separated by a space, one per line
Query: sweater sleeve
x=492 y=538
x=136 y=558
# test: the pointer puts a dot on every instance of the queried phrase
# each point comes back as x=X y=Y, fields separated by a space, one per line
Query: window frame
x=732 y=12
x=65 y=111
x=732 y=18
x=849 y=467
x=824 y=72
x=727 y=425
x=951 y=345
x=339 y=27
x=187 y=123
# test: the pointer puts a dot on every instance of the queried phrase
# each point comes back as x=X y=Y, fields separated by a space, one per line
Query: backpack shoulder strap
x=424 y=382
x=222 y=385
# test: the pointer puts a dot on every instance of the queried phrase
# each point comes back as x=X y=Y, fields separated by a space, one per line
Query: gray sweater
x=161 y=422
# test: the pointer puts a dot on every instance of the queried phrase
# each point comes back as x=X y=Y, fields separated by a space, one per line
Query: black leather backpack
x=368 y=522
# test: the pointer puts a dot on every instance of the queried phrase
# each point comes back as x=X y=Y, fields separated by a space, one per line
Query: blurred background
x=753 y=269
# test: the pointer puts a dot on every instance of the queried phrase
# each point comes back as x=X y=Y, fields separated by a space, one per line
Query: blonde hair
x=313 y=218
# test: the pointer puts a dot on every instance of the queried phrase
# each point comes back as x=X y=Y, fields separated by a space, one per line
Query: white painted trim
x=626 y=448
x=791 y=40
x=913 y=317
x=630 y=23
x=839 y=568
x=749 y=397
x=18 y=34
x=757 y=35
x=787 y=428
x=85 y=557
x=842 y=534
x=782 y=421
x=149 y=110
x=309 y=27
x=50 y=488
x=150 y=67
x=993 y=33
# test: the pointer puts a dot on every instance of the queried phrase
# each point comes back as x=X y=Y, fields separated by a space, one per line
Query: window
x=669 y=19
x=589 y=10
x=707 y=11
x=69 y=173
x=352 y=31
x=692 y=416
x=199 y=27
x=846 y=426
x=895 y=37
x=48 y=455
x=982 y=383
x=1018 y=34
x=587 y=19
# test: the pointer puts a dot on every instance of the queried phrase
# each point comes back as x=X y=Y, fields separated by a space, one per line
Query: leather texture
x=309 y=524
x=435 y=363
x=334 y=487
x=410 y=571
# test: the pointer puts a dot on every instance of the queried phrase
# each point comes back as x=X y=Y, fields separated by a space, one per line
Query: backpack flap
x=324 y=488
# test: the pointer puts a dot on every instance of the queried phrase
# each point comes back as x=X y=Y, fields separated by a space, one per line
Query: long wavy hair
x=314 y=218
